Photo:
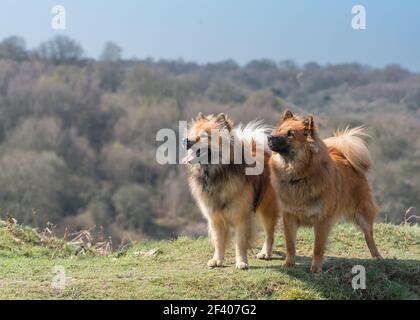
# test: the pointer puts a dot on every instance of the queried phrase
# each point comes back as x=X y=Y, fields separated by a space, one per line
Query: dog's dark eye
x=290 y=133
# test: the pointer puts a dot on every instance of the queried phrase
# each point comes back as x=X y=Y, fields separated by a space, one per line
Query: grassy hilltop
x=177 y=269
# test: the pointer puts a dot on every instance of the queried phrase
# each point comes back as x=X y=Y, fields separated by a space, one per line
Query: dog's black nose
x=188 y=143
x=269 y=138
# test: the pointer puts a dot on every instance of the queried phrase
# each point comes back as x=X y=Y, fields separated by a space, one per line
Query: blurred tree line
x=77 y=135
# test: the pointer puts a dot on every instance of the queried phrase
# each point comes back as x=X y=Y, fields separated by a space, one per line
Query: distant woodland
x=78 y=135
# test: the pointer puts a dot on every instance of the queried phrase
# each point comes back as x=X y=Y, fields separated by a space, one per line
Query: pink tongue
x=187 y=158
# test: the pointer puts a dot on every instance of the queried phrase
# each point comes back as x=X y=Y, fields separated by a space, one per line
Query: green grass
x=178 y=270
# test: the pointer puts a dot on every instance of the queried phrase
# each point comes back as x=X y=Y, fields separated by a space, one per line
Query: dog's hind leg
x=365 y=222
x=268 y=214
x=219 y=233
x=269 y=221
x=243 y=238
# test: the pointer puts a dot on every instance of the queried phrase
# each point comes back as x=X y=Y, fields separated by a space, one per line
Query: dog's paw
x=289 y=264
x=378 y=257
x=263 y=255
x=214 y=263
x=241 y=265
x=317 y=269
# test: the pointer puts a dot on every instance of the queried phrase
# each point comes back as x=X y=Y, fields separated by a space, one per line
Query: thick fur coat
x=320 y=181
x=227 y=196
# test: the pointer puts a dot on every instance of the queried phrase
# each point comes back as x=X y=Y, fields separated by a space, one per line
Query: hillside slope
x=29 y=263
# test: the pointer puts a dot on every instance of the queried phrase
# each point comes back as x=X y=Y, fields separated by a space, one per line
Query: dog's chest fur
x=216 y=185
x=300 y=197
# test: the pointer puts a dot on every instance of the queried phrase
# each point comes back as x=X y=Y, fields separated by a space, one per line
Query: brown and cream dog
x=319 y=181
x=227 y=196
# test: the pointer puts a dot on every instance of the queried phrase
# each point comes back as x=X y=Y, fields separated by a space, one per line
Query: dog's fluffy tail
x=350 y=143
x=254 y=133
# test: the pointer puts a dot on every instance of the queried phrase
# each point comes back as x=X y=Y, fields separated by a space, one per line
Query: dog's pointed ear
x=310 y=132
x=309 y=126
x=200 y=116
x=287 y=114
x=221 y=117
x=224 y=120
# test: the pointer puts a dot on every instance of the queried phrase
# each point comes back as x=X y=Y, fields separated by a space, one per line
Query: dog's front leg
x=219 y=234
x=290 y=226
x=322 y=229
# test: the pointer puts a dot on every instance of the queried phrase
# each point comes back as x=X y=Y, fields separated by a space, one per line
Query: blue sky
x=214 y=30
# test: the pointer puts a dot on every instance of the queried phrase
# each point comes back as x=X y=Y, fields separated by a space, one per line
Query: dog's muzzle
x=187 y=143
x=278 y=144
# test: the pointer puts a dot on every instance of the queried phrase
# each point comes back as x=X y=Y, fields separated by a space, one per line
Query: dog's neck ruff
x=212 y=175
x=295 y=181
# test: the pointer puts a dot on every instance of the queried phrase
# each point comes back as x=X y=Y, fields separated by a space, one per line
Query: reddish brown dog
x=319 y=181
